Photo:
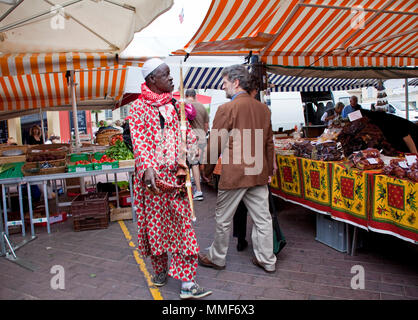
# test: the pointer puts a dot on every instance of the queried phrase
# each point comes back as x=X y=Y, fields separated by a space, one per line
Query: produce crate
x=47 y=152
x=73 y=158
x=34 y=168
x=5 y=158
x=126 y=163
x=331 y=232
x=90 y=211
x=104 y=165
x=117 y=214
x=91 y=204
x=91 y=223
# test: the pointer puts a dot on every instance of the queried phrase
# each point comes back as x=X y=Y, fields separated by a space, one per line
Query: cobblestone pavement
x=101 y=264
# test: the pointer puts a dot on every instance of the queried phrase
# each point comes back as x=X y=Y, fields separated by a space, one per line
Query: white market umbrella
x=39 y=26
x=64 y=26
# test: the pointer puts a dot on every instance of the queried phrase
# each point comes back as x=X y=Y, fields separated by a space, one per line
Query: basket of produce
x=43 y=167
x=102 y=137
x=47 y=152
x=119 y=152
x=114 y=138
x=12 y=154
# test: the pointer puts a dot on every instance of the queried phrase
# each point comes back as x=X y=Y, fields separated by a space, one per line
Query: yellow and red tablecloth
x=365 y=199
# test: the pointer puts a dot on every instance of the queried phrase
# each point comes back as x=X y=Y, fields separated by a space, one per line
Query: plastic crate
x=104 y=165
x=73 y=158
x=331 y=232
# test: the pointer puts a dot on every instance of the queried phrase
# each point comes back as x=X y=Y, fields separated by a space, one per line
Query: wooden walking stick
x=183 y=169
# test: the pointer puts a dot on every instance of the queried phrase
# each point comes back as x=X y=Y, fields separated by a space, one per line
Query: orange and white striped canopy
x=43 y=90
x=312 y=33
x=33 y=63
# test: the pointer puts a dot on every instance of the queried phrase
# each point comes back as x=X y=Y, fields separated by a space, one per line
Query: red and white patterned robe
x=164 y=220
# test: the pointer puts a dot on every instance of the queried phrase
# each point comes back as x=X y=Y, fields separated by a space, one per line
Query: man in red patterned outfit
x=164 y=218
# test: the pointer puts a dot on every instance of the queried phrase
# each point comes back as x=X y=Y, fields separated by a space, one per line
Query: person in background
x=35 y=135
x=330 y=115
x=353 y=106
x=200 y=125
x=53 y=139
x=320 y=110
x=11 y=141
x=309 y=113
x=238 y=181
x=402 y=134
x=118 y=125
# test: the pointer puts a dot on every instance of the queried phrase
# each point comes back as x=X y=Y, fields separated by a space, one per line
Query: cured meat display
x=360 y=135
x=368 y=159
x=400 y=168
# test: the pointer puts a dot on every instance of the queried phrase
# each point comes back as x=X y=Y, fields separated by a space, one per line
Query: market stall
x=369 y=193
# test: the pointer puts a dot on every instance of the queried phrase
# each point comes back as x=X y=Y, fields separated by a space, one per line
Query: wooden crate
x=12 y=159
x=126 y=163
x=117 y=214
x=90 y=205
x=91 y=223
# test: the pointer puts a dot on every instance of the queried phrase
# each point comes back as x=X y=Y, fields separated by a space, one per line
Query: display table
x=43 y=179
x=365 y=199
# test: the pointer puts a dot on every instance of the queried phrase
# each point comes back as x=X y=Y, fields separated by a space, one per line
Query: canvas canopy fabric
x=314 y=33
x=210 y=78
x=40 y=26
x=47 y=90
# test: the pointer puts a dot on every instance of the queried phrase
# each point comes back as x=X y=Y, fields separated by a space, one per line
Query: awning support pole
x=406 y=99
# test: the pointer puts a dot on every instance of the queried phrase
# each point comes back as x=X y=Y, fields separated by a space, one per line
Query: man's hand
x=149 y=179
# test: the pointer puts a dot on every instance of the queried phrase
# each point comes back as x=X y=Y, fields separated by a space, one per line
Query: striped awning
x=312 y=33
x=413 y=82
x=43 y=90
x=19 y=64
x=210 y=78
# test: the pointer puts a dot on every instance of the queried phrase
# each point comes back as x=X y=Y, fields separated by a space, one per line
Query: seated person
x=402 y=134
x=330 y=115
x=353 y=106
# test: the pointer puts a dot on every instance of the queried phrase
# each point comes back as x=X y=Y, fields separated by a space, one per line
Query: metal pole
x=74 y=104
x=46 y=207
x=406 y=99
x=2 y=244
x=6 y=227
x=132 y=198
x=117 y=191
x=32 y=228
x=41 y=116
x=22 y=215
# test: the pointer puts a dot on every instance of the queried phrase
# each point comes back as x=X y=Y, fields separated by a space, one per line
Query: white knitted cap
x=150 y=65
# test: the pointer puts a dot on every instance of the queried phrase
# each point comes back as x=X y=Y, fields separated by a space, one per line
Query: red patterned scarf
x=154 y=99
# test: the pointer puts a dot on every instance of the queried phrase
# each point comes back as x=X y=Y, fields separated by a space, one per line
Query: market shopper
x=353 y=106
x=332 y=114
x=164 y=218
x=402 y=134
x=35 y=135
x=200 y=125
x=241 y=119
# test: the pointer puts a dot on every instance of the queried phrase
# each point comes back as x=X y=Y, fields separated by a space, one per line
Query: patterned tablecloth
x=365 y=199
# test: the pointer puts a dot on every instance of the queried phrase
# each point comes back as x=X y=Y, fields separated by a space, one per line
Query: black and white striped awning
x=210 y=78
x=413 y=82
